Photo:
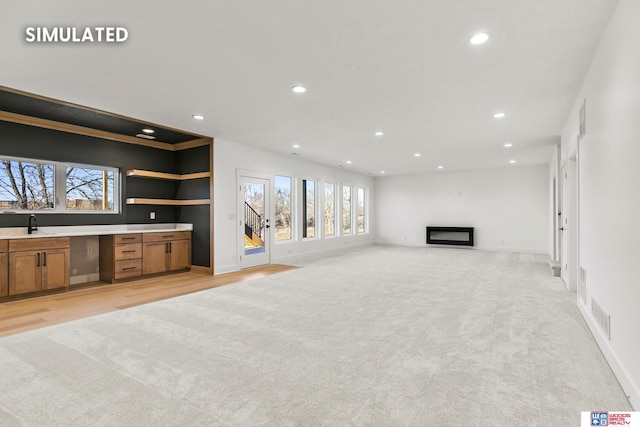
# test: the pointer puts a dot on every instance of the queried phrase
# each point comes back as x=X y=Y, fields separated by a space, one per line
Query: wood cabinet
x=130 y=256
x=4 y=268
x=38 y=264
x=120 y=257
x=166 y=252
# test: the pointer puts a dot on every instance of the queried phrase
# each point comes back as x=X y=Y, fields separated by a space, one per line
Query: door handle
x=38 y=260
x=267 y=226
x=44 y=256
x=561 y=228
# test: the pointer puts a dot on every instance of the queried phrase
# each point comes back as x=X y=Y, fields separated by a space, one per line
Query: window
x=329 y=209
x=308 y=208
x=89 y=189
x=361 y=211
x=346 y=210
x=283 y=208
x=34 y=185
x=26 y=185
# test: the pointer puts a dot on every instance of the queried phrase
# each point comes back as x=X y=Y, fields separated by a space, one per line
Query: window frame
x=60 y=188
x=292 y=207
x=342 y=223
x=335 y=211
x=303 y=205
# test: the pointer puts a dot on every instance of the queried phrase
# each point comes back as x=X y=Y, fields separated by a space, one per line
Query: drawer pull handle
x=167 y=236
x=128 y=238
x=129 y=252
x=128 y=268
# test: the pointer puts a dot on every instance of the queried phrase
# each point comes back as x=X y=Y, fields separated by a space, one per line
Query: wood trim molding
x=80 y=130
x=211 y=212
x=200 y=269
x=200 y=142
x=167 y=202
x=164 y=175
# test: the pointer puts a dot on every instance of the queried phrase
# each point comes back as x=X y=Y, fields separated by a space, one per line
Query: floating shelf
x=168 y=202
x=170 y=176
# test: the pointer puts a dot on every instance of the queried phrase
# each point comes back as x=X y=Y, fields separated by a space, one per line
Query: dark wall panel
x=198 y=216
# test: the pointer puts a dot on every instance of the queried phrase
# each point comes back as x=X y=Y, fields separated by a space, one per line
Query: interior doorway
x=254 y=226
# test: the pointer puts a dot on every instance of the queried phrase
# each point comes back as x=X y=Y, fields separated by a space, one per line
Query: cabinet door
x=180 y=255
x=4 y=274
x=154 y=257
x=55 y=268
x=24 y=272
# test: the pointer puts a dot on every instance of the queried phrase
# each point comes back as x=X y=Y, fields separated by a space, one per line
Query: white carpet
x=380 y=337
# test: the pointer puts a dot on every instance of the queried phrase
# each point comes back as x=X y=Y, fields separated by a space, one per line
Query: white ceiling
x=404 y=67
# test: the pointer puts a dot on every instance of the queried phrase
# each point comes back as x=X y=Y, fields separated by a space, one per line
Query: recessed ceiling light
x=379 y=133
x=381 y=171
x=148 y=131
x=145 y=136
x=299 y=89
x=508 y=145
x=440 y=167
x=512 y=161
x=499 y=115
x=295 y=146
x=349 y=162
x=198 y=116
x=417 y=155
x=479 y=38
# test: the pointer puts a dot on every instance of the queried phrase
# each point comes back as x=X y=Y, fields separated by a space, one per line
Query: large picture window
x=308 y=208
x=346 y=210
x=40 y=186
x=361 y=211
x=329 y=209
x=283 y=208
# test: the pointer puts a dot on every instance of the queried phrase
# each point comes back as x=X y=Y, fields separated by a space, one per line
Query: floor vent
x=582 y=286
x=602 y=318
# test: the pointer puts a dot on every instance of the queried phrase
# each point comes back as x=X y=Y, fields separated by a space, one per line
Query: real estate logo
x=599 y=418
x=104 y=34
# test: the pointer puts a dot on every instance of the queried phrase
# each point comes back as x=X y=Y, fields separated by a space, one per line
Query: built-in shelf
x=170 y=176
x=169 y=202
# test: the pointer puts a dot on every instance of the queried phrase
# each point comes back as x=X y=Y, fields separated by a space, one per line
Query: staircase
x=252 y=228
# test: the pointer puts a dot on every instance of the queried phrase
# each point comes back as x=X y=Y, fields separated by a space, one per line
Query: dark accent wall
x=192 y=161
x=18 y=140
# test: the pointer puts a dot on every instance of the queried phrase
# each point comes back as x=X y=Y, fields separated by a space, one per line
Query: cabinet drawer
x=160 y=237
x=127 y=268
x=130 y=251
x=127 y=238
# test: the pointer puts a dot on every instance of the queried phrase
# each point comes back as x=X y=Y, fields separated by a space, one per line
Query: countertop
x=90 y=230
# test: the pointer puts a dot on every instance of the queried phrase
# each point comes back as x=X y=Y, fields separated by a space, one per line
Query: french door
x=255 y=228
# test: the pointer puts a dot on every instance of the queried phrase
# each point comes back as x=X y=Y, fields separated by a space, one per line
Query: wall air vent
x=601 y=318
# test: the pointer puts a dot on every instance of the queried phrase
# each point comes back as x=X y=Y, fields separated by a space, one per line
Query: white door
x=254 y=231
x=568 y=226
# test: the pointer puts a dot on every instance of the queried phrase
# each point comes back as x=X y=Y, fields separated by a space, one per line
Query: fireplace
x=459 y=236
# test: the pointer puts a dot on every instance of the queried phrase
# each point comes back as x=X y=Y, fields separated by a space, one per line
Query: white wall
x=508 y=207
x=229 y=157
x=609 y=202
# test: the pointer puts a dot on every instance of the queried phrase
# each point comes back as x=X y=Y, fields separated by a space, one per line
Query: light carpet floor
x=383 y=336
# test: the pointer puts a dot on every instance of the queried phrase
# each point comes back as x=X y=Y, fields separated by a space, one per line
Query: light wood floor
x=33 y=313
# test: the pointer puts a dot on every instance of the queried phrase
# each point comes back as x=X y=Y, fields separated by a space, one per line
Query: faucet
x=32 y=227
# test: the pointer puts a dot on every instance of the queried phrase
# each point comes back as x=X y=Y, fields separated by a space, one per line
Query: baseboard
x=632 y=391
x=225 y=269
